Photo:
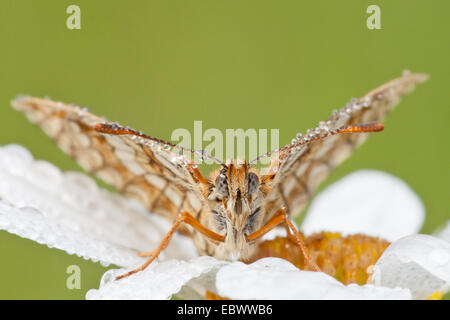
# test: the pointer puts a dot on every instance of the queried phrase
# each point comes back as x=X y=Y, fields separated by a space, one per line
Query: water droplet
x=109 y=276
x=183 y=163
x=367 y=101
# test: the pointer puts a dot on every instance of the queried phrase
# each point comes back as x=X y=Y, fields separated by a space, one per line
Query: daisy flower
x=362 y=231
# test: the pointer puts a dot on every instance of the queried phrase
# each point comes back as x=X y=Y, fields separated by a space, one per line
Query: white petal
x=369 y=202
x=31 y=224
x=269 y=278
x=273 y=278
x=157 y=281
x=444 y=232
x=418 y=262
x=74 y=201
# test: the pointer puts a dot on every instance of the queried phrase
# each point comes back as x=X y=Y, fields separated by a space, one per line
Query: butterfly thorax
x=235 y=201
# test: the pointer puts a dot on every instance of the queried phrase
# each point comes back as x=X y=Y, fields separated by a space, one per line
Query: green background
x=160 y=65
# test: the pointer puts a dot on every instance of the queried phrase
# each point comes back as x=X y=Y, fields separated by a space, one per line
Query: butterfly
x=231 y=209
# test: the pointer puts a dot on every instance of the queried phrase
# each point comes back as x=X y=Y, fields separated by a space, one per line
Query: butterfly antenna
x=359 y=128
x=115 y=129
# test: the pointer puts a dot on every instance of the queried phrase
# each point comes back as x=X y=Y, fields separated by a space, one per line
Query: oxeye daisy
x=364 y=240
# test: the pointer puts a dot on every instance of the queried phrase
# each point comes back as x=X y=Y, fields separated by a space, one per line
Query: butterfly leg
x=282 y=217
x=183 y=217
x=299 y=241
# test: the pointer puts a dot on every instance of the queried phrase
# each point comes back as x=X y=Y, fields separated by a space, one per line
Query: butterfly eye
x=222 y=185
x=253 y=182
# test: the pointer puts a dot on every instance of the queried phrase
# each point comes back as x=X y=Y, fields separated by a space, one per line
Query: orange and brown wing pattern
x=298 y=169
x=149 y=171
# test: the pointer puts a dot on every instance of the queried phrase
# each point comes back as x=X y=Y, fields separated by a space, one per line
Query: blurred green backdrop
x=160 y=65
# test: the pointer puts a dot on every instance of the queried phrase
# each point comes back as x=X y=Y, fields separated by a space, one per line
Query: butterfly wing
x=296 y=172
x=162 y=180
